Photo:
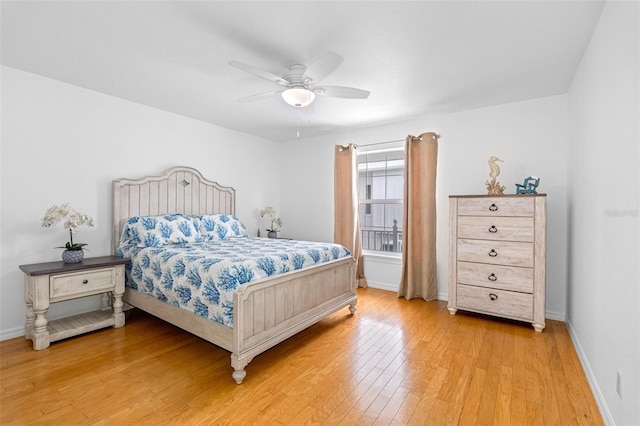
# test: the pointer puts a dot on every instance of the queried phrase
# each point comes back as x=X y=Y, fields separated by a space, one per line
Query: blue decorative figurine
x=528 y=186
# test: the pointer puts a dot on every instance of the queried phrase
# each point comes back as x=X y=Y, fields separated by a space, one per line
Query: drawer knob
x=85 y=281
x=493 y=253
x=493 y=296
x=493 y=207
x=492 y=277
x=493 y=229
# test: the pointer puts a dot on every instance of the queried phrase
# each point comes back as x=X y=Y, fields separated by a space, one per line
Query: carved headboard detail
x=177 y=190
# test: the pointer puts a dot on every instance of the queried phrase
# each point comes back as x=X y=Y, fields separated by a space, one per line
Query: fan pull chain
x=297 y=124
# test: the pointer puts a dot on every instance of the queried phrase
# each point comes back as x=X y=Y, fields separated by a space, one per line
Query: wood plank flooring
x=394 y=362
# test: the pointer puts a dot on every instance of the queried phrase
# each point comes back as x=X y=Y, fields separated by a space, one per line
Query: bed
x=265 y=311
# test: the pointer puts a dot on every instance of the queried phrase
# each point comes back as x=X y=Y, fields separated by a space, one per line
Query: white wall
x=62 y=143
x=604 y=231
x=530 y=137
x=55 y=132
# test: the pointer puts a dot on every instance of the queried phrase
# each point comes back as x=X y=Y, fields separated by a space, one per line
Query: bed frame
x=266 y=312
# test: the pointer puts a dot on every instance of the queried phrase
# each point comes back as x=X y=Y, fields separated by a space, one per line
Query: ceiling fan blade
x=322 y=67
x=260 y=73
x=260 y=96
x=341 y=92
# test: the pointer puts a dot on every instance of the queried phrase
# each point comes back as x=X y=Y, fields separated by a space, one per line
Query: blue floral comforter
x=201 y=277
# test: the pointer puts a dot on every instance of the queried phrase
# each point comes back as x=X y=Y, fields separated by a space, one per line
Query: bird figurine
x=494 y=187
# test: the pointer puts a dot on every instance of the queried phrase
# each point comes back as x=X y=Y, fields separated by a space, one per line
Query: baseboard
x=555 y=316
x=12 y=332
x=591 y=378
x=382 y=286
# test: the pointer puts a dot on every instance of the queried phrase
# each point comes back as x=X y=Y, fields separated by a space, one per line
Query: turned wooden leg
x=452 y=311
x=239 y=375
x=30 y=321
x=37 y=301
x=40 y=332
x=118 y=315
x=538 y=327
x=352 y=308
x=118 y=292
x=238 y=365
x=106 y=302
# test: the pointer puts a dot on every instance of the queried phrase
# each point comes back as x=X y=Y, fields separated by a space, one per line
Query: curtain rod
x=386 y=142
x=382 y=143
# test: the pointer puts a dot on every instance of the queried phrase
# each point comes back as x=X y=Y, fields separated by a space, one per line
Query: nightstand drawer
x=81 y=283
x=496 y=276
x=496 y=252
x=491 y=301
x=498 y=206
x=496 y=228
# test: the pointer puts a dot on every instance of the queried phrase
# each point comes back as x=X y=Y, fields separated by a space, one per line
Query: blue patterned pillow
x=215 y=227
x=157 y=231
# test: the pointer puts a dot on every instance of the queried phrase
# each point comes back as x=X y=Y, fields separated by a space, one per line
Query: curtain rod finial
x=434 y=135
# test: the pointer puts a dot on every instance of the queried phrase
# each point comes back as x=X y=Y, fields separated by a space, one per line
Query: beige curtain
x=418 y=277
x=346 y=218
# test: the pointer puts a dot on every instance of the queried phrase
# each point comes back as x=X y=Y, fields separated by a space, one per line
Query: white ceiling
x=415 y=57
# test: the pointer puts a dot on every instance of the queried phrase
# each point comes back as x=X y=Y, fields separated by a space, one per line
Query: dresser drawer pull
x=493 y=208
x=493 y=229
x=85 y=281
x=493 y=296
x=493 y=253
x=492 y=277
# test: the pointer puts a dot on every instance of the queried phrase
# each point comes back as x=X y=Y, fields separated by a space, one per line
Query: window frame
x=369 y=202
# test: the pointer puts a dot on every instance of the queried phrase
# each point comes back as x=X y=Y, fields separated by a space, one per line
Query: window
x=381 y=188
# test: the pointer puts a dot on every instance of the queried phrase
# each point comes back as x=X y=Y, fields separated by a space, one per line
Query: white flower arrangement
x=72 y=220
x=276 y=222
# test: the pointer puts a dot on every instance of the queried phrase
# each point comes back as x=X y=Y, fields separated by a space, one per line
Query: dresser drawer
x=496 y=206
x=492 y=301
x=81 y=283
x=496 y=228
x=496 y=276
x=496 y=252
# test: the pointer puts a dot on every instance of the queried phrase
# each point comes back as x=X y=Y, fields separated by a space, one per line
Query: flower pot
x=272 y=234
x=72 y=256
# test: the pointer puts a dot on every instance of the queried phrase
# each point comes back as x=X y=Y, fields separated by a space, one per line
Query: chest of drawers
x=497 y=256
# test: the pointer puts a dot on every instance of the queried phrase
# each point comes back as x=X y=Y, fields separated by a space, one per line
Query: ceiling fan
x=299 y=82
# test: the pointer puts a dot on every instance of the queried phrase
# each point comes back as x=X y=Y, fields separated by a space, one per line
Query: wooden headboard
x=177 y=190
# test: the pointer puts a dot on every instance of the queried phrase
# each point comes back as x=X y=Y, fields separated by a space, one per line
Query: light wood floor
x=394 y=362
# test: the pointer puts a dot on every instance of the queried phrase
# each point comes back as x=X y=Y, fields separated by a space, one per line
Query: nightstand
x=51 y=282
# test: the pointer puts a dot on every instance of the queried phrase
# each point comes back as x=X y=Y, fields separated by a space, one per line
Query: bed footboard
x=270 y=312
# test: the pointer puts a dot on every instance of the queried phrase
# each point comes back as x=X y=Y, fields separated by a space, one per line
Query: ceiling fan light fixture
x=298 y=97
